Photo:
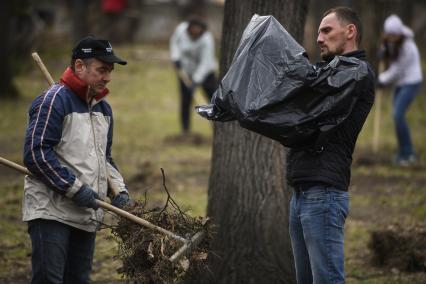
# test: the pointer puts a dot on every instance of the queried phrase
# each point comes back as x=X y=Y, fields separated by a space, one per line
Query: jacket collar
x=79 y=87
x=360 y=54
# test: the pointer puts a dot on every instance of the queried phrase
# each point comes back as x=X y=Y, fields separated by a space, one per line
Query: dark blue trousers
x=317 y=219
x=402 y=99
x=60 y=253
x=209 y=85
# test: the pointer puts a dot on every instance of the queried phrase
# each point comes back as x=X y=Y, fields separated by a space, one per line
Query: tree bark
x=7 y=89
x=248 y=196
x=18 y=31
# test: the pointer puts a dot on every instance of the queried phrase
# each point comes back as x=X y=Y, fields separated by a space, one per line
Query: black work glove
x=86 y=197
x=177 y=64
x=379 y=85
x=120 y=200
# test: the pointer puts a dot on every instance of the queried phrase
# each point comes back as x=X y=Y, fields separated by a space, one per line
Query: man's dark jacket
x=330 y=165
x=271 y=88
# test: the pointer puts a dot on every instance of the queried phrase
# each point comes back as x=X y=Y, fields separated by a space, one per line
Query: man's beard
x=331 y=54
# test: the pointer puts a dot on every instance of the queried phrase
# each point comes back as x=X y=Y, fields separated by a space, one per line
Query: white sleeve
x=175 y=52
x=391 y=74
x=401 y=66
x=207 y=61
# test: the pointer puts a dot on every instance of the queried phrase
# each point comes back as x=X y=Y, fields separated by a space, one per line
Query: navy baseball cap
x=91 y=47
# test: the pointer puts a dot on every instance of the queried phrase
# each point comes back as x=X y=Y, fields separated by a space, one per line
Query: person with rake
x=68 y=152
x=192 y=54
x=404 y=73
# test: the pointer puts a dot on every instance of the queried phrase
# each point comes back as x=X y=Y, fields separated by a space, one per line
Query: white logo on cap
x=109 y=49
x=86 y=50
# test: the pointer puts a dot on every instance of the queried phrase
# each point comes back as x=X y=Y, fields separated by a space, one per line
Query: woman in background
x=402 y=59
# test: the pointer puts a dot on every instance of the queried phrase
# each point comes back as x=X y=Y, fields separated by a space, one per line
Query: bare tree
x=17 y=27
x=7 y=88
x=248 y=196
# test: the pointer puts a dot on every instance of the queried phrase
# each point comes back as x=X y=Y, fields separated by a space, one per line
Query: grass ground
x=145 y=104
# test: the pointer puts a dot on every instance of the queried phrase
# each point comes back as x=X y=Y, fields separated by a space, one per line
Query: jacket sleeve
x=175 y=53
x=112 y=169
x=43 y=133
x=390 y=74
x=400 y=65
x=207 y=60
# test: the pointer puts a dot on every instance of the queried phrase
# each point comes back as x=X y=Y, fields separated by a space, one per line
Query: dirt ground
x=382 y=195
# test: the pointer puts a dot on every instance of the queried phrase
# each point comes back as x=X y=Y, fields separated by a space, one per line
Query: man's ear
x=79 y=66
x=351 y=32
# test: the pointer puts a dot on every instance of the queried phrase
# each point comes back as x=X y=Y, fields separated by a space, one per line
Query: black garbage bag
x=271 y=87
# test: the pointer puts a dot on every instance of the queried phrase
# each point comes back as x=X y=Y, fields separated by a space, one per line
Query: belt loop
x=296 y=190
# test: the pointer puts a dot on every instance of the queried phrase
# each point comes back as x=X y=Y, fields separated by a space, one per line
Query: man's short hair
x=348 y=16
x=86 y=61
x=196 y=21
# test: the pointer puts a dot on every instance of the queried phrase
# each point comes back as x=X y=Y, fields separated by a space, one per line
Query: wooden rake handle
x=105 y=206
x=139 y=220
x=43 y=68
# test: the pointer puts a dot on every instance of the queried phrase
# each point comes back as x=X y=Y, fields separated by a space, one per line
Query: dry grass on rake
x=145 y=253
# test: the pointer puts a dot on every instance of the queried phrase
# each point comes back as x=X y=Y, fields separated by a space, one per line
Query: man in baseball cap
x=68 y=151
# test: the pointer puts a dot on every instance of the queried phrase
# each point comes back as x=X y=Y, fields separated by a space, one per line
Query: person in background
x=320 y=174
x=401 y=56
x=193 y=55
x=114 y=28
x=68 y=150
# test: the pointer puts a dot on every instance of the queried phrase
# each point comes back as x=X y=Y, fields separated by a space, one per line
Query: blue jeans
x=402 y=99
x=317 y=219
x=60 y=253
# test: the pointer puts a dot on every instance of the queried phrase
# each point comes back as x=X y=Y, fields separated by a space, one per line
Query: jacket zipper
x=96 y=151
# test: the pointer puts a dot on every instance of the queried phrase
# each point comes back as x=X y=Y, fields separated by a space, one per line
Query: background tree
x=18 y=30
x=6 y=86
x=248 y=196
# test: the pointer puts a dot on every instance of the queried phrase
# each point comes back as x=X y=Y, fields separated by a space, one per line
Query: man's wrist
x=74 y=188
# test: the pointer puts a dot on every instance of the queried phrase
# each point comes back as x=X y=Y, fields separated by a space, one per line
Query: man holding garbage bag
x=68 y=149
x=315 y=110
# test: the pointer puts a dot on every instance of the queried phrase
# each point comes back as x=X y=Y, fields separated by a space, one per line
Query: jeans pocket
x=339 y=211
x=315 y=195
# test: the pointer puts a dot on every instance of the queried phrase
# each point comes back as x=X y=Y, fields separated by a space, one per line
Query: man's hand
x=86 y=197
x=379 y=85
x=177 y=64
x=120 y=200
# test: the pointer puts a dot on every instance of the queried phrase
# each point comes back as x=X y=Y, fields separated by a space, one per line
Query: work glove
x=86 y=197
x=120 y=200
x=177 y=64
x=379 y=85
x=191 y=89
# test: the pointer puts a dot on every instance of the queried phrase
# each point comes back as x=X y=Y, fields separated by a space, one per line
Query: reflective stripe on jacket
x=67 y=144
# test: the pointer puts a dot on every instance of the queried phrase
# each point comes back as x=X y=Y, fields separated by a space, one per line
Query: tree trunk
x=7 y=88
x=79 y=15
x=248 y=196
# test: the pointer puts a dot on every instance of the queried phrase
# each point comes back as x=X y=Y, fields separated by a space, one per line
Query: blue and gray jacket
x=67 y=144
